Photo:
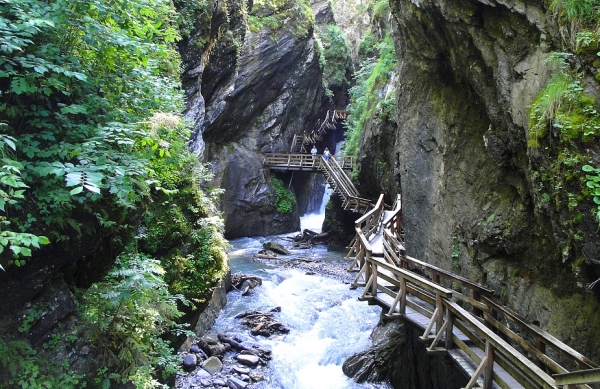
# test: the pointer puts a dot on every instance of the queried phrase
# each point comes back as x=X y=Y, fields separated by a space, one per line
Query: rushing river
x=327 y=323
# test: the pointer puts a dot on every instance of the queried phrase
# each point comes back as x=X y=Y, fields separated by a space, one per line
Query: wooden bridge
x=333 y=170
x=493 y=345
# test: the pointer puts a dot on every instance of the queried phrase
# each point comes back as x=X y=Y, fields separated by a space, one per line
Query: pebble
x=237 y=382
x=241 y=370
x=203 y=374
x=248 y=360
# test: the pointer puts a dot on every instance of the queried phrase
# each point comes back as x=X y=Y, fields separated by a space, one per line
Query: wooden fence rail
x=467 y=320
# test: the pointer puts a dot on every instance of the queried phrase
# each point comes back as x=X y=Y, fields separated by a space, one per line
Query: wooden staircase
x=343 y=186
x=298 y=144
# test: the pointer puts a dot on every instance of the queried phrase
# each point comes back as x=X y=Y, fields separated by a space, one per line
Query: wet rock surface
x=227 y=361
x=263 y=323
x=311 y=265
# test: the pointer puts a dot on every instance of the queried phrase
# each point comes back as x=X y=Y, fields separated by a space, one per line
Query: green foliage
x=592 y=182
x=335 y=56
x=381 y=9
x=77 y=79
x=367 y=46
x=11 y=193
x=195 y=273
x=284 y=198
x=182 y=225
x=365 y=101
x=28 y=370
x=282 y=14
x=576 y=15
x=563 y=118
x=188 y=13
x=126 y=315
x=545 y=108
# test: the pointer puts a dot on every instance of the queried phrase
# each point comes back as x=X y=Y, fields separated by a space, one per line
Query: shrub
x=364 y=96
x=126 y=314
x=284 y=198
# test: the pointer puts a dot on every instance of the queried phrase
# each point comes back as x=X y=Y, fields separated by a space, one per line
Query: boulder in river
x=245 y=283
x=211 y=347
x=189 y=362
x=276 y=247
x=262 y=323
x=212 y=365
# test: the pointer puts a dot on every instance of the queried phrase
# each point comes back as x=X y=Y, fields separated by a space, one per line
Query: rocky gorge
x=456 y=148
x=491 y=190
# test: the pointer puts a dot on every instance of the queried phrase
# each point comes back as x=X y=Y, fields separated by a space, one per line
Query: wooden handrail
x=540 y=337
x=370 y=222
x=414 y=278
x=577 y=377
x=511 y=354
x=393 y=270
x=291 y=160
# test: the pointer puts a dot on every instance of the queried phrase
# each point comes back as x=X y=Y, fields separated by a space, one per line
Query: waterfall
x=314 y=221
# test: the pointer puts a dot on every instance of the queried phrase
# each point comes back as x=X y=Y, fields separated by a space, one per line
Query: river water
x=327 y=323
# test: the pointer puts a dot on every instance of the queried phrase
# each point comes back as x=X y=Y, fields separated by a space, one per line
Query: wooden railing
x=393 y=222
x=457 y=302
x=346 y=162
x=399 y=284
x=532 y=339
x=365 y=227
x=303 y=161
x=370 y=222
x=292 y=161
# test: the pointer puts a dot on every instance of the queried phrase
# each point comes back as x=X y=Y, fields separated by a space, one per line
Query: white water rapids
x=327 y=323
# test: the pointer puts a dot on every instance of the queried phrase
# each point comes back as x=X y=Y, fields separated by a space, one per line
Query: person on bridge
x=314 y=151
x=326 y=154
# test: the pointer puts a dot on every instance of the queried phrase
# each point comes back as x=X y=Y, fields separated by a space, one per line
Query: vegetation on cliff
x=335 y=57
x=282 y=14
x=93 y=149
x=285 y=201
x=366 y=99
x=564 y=122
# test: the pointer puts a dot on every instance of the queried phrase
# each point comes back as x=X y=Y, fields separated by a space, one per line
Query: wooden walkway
x=333 y=169
x=494 y=346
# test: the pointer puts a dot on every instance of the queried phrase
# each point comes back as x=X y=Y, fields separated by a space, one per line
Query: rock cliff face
x=249 y=91
x=468 y=70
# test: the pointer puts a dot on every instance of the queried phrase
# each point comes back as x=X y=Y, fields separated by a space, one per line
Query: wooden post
x=540 y=345
x=374 y=285
x=367 y=263
x=402 y=291
x=477 y=297
x=488 y=371
x=439 y=304
x=449 y=326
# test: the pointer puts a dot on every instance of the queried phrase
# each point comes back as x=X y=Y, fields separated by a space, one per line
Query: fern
x=127 y=313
